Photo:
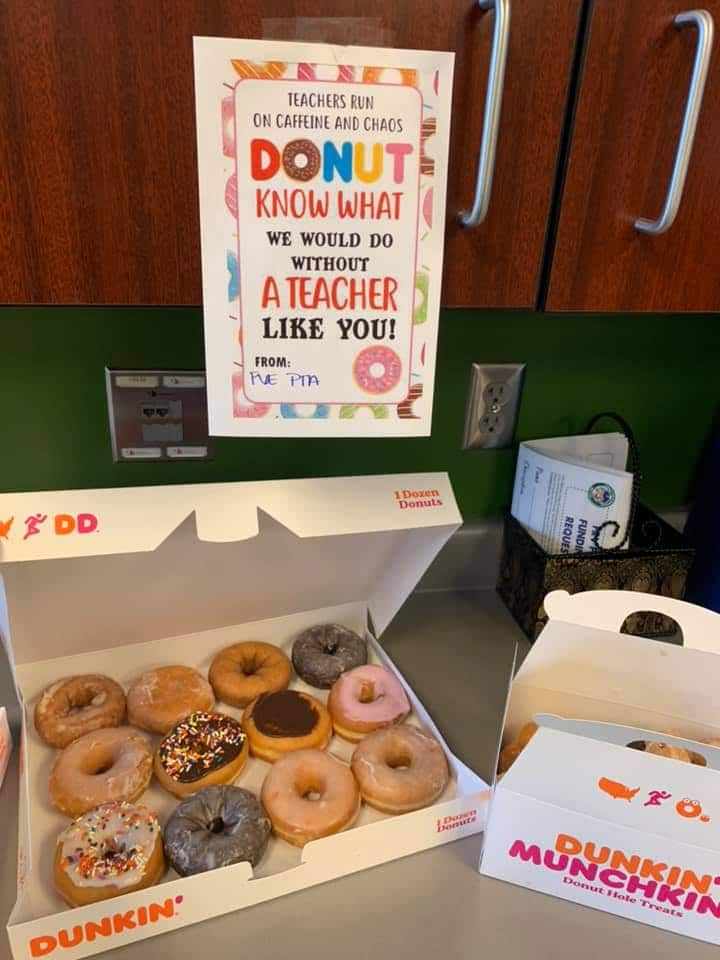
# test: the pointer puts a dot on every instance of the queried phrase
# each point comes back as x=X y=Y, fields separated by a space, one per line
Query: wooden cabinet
x=98 y=187
x=634 y=88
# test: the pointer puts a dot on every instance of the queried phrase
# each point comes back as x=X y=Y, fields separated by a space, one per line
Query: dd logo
x=82 y=523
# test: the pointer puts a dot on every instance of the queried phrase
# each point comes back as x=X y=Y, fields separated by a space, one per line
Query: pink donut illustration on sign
x=377 y=370
x=243 y=408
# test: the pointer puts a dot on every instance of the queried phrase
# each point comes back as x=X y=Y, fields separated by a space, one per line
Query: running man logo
x=109 y=926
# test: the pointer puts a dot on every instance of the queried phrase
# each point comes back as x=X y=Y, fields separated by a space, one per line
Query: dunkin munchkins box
x=120 y=582
x=579 y=814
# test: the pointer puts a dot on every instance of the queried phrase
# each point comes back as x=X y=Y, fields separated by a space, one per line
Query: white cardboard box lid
x=148 y=568
x=577 y=670
x=563 y=769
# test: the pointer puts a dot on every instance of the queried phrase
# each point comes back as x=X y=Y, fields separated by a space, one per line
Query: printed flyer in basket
x=322 y=180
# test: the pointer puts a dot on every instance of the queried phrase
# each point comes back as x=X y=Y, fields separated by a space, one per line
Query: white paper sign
x=568 y=488
x=322 y=198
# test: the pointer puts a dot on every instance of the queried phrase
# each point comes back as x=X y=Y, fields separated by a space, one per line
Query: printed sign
x=322 y=197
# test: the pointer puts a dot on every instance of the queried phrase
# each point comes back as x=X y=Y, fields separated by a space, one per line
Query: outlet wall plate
x=493 y=405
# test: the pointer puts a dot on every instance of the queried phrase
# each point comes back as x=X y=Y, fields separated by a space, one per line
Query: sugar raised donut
x=160 y=698
x=364 y=699
x=100 y=767
x=309 y=794
x=216 y=827
x=73 y=706
x=202 y=750
x=277 y=723
x=399 y=769
x=112 y=850
x=241 y=673
x=321 y=653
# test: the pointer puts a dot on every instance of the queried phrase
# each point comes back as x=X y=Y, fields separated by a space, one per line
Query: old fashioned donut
x=202 y=750
x=160 y=698
x=215 y=827
x=277 y=723
x=311 y=155
x=241 y=673
x=73 y=706
x=100 y=767
x=309 y=794
x=377 y=370
x=364 y=699
x=399 y=769
x=111 y=850
x=320 y=654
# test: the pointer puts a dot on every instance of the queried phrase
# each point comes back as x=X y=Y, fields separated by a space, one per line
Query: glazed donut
x=241 y=673
x=76 y=705
x=399 y=769
x=510 y=752
x=309 y=794
x=277 y=723
x=660 y=749
x=160 y=698
x=202 y=750
x=100 y=767
x=216 y=827
x=111 y=850
x=377 y=369
x=322 y=653
x=364 y=699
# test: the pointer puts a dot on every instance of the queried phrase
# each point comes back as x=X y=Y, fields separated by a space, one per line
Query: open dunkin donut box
x=120 y=581
x=579 y=815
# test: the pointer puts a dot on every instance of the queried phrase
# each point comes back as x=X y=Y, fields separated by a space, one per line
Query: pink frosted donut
x=365 y=699
x=377 y=369
x=231 y=195
x=228 y=126
x=399 y=769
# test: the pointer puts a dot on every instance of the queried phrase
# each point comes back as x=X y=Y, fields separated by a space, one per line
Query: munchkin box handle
x=608 y=610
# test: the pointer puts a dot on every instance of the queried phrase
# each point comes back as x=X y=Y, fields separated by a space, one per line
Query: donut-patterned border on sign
x=377 y=415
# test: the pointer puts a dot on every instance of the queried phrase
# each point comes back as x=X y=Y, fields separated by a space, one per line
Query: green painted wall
x=661 y=373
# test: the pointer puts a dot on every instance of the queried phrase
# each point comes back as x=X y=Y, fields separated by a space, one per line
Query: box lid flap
x=137 y=566
x=610 y=782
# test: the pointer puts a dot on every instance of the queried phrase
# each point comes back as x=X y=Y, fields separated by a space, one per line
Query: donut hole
x=248 y=668
x=98 y=763
x=311 y=788
x=367 y=692
x=311 y=795
x=81 y=700
x=217 y=825
x=399 y=761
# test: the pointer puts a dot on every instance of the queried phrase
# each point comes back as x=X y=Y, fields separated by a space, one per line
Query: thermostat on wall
x=158 y=415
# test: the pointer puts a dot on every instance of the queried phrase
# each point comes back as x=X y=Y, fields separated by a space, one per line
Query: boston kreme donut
x=160 y=698
x=364 y=699
x=73 y=706
x=399 y=769
x=216 y=827
x=321 y=653
x=202 y=750
x=277 y=723
x=111 y=850
x=241 y=673
x=100 y=767
x=309 y=794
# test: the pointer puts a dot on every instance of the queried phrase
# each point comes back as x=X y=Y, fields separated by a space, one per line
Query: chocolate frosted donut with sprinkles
x=115 y=848
x=323 y=652
x=202 y=750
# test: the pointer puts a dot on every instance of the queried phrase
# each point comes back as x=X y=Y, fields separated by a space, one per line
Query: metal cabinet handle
x=493 y=107
x=703 y=21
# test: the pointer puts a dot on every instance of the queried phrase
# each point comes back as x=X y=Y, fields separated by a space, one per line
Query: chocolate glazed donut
x=216 y=827
x=322 y=653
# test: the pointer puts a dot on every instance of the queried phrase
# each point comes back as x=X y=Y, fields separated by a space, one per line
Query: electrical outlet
x=493 y=405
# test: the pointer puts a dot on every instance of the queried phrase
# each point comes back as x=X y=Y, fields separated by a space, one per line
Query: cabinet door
x=634 y=89
x=98 y=186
